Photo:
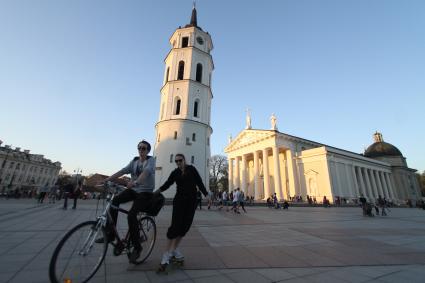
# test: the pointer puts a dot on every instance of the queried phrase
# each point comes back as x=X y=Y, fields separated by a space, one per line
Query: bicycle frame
x=106 y=218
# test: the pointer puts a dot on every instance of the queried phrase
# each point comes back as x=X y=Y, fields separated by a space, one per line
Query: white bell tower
x=185 y=110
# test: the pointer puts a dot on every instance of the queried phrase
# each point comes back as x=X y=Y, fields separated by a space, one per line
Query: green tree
x=63 y=178
x=218 y=172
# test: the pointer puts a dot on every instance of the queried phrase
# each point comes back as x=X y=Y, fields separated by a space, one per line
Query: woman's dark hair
x=181 y=155
x=148 y=145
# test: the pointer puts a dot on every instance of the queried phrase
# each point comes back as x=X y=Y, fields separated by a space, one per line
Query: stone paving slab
x=304 y=244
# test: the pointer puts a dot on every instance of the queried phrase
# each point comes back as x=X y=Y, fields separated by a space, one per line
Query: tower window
x=178 y=104
x=208 y=141
x=199 y=72
x=195 y=108
x=167 y=74
x=175 y=135
x=181 y=70
x=185 y=41
x=193 y=137
x=171 y=158
x=159 y=137
x=192 y=160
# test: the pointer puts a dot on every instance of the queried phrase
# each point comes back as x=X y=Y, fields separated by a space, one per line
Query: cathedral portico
x=261 y=165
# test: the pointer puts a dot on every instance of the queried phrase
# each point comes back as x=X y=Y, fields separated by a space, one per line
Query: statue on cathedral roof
x=273 y=121
x=248 y=119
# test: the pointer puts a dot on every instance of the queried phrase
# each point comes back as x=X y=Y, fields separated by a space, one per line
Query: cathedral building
x=185 y=110
x=267 y=162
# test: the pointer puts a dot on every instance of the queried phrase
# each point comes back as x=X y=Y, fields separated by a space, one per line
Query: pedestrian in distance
x=363 y=201
x=275 y=201
x=76 y=194
x=326 y=202
x=52 y=194
x=376 y=207
x=382 y=202
x=67 y=190
x=235 y=206
x=185 y=201
x=242 y=201
x=224 y=200
x=42 y=194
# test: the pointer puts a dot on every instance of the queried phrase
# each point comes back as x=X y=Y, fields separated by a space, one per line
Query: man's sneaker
x=177 y=255
x=135 y=254
x=166 y=258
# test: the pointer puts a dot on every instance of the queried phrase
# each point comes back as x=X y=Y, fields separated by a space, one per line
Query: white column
x=350 y=190
x=362 y=185
x=277 y=186
x=283 y=178
x=373 y=181
x=256 y=177
x=356 y=185
x=378 y=182
x=230 y=174
x=338 y=189
x=244 y=174
x=384 y=185
x=291 y=173
x=390 y=186
x=237 y=171
x=266 y=174
x=368 y=185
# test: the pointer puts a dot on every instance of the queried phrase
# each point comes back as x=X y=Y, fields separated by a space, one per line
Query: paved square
x=304 y=244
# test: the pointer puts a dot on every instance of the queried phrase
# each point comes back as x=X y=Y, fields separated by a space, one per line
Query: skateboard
x=167 y=268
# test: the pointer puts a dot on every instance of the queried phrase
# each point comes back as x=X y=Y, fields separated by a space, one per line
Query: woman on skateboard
x=188 y=182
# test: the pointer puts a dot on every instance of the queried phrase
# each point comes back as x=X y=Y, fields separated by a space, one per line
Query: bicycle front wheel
x=77 y=256
x=147 y=237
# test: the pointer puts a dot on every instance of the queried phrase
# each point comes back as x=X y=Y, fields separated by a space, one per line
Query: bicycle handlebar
x=111 y=185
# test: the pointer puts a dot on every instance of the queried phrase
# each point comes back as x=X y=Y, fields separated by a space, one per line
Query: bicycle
x=78 y=257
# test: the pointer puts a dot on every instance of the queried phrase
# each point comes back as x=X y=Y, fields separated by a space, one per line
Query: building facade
x=185 y=109
x=22 y=170
x=264 y=162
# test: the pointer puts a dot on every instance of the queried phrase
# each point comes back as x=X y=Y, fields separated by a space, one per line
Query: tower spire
x=193 y=18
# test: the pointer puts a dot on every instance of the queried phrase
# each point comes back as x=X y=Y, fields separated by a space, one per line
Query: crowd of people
x=51 y=194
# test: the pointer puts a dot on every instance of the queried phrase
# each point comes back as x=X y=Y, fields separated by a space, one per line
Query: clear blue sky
x=80 y=80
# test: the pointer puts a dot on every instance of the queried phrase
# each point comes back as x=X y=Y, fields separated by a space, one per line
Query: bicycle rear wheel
x=147 y=233
x=77 y=257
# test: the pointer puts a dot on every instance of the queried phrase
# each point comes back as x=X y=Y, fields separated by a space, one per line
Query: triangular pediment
x=249 y=137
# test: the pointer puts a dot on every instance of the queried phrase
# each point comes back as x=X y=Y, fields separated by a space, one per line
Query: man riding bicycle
x=139 y=190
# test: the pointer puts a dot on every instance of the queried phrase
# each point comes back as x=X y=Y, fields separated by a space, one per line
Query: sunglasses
x=142 y=148
x=178 y=160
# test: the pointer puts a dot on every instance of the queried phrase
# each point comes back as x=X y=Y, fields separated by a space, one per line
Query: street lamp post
x=78 y=172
